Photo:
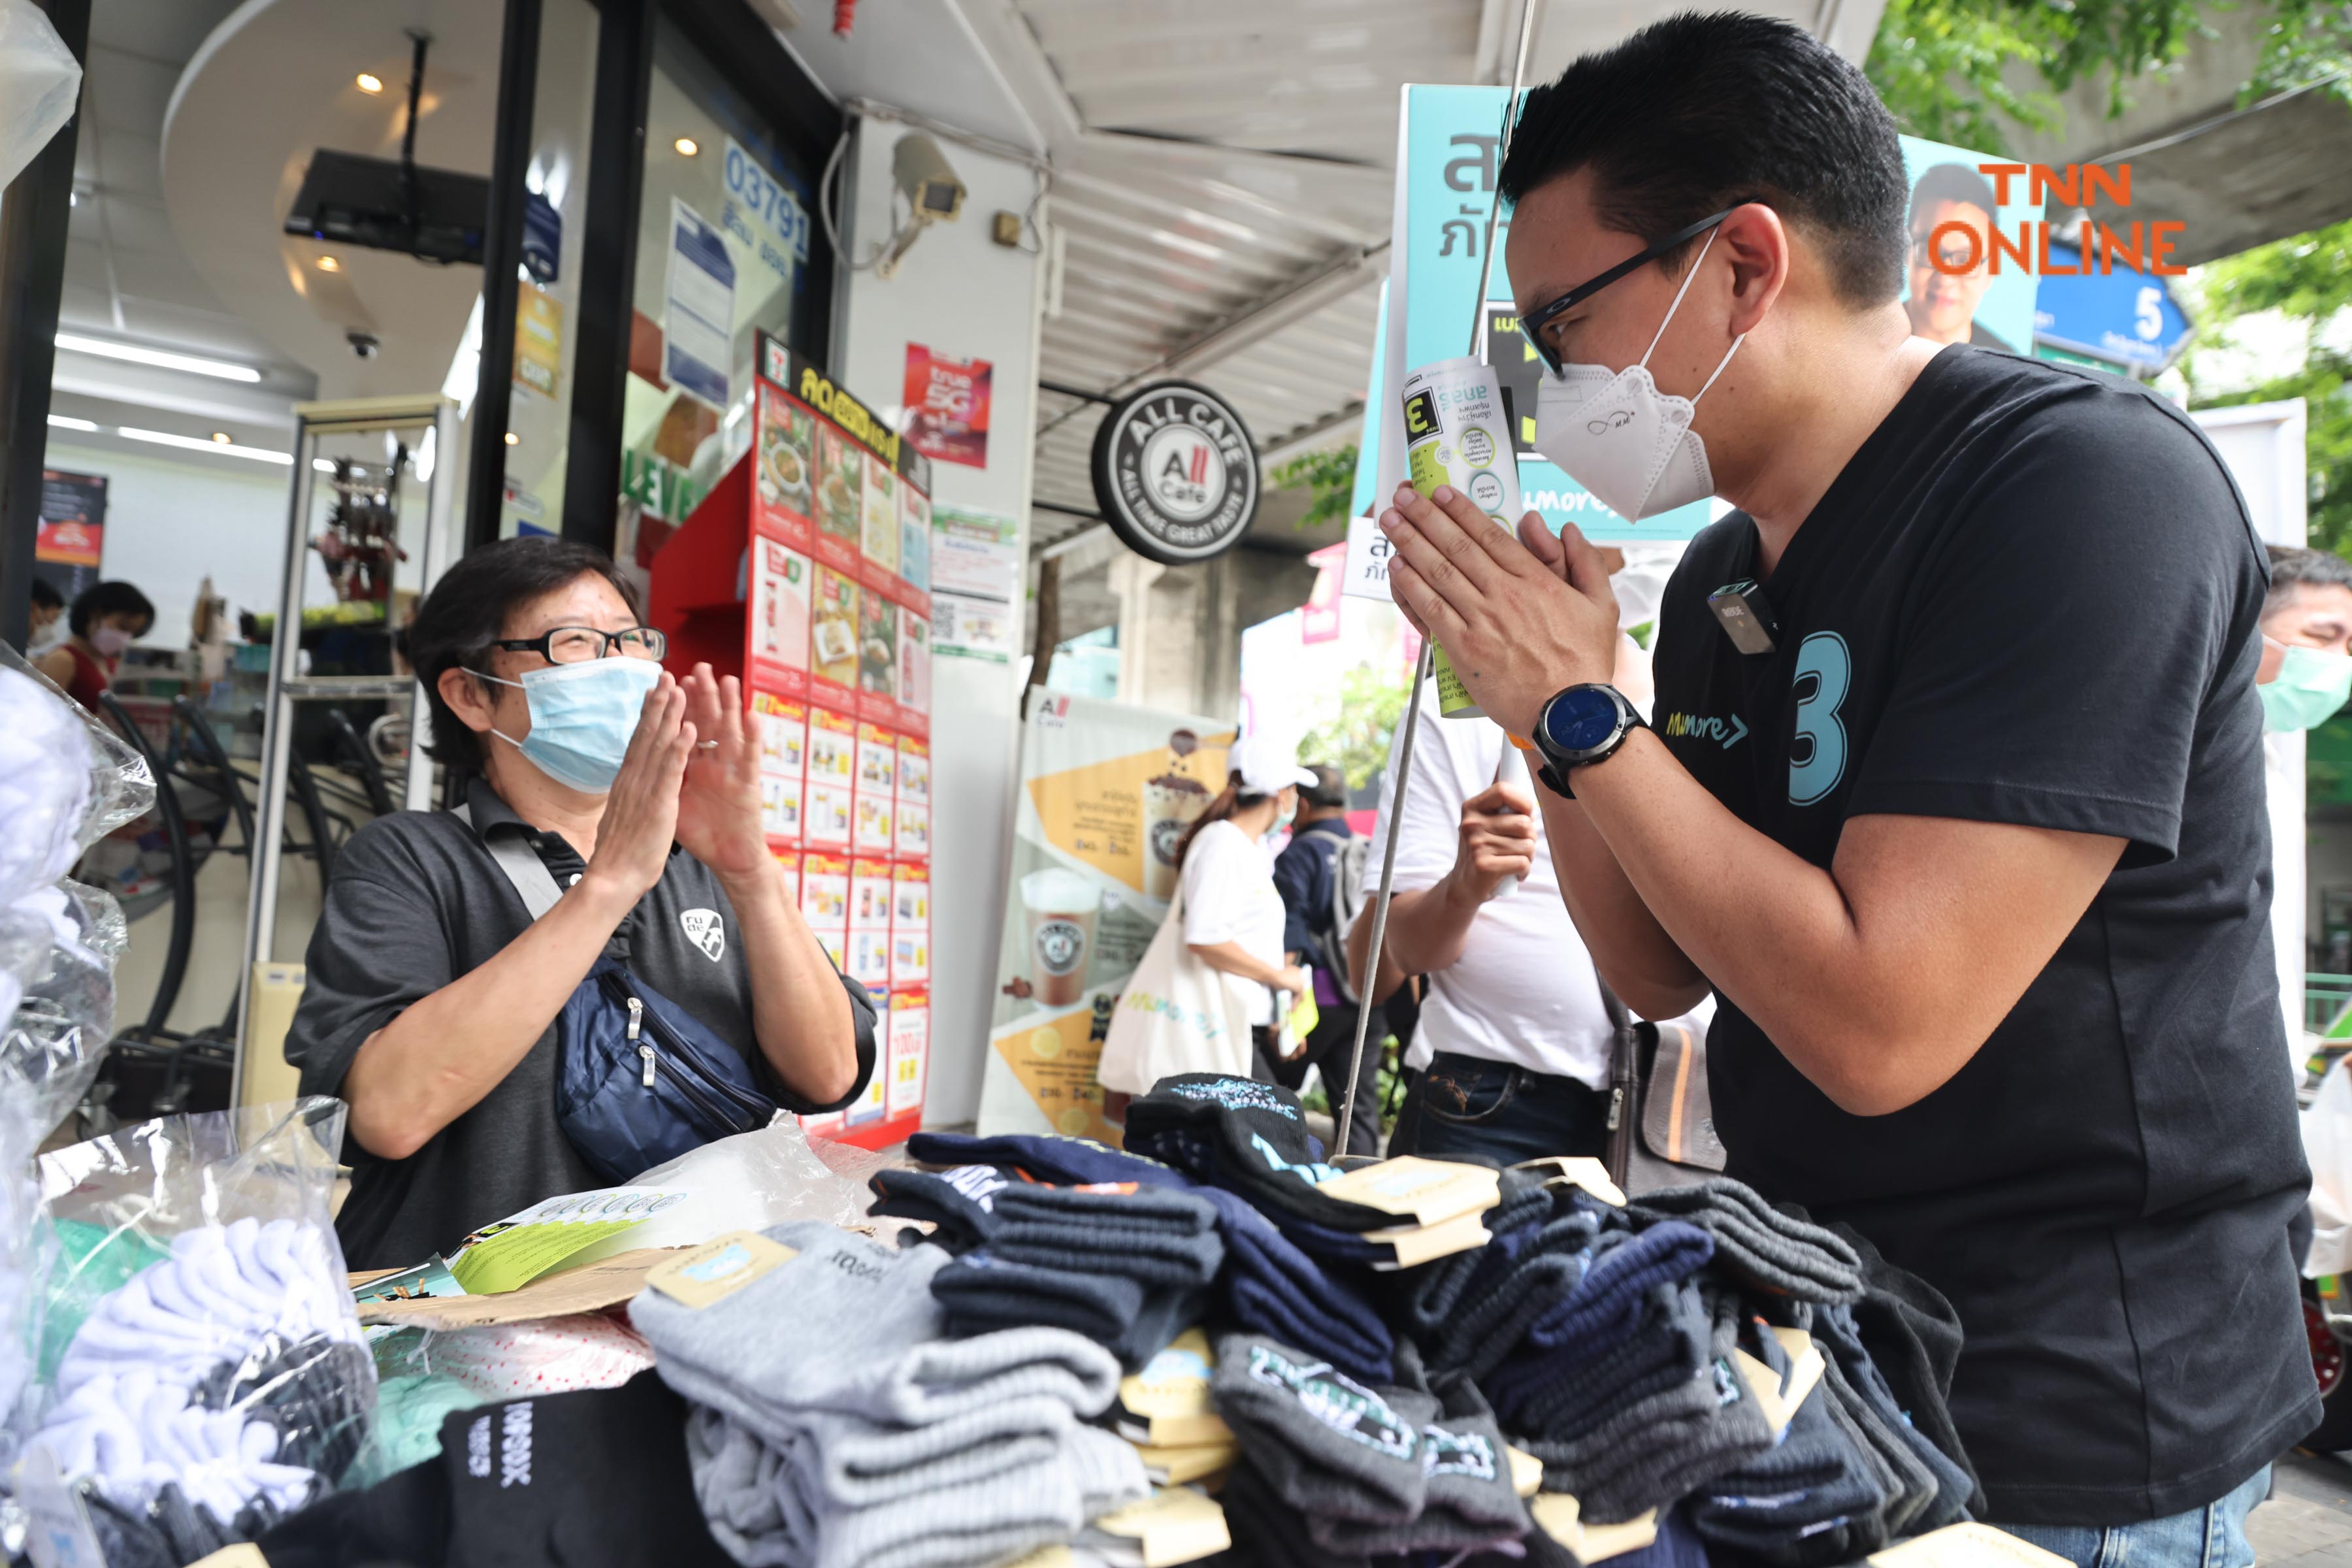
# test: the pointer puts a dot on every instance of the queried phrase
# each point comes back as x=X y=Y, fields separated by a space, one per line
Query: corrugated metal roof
x=1236 y=162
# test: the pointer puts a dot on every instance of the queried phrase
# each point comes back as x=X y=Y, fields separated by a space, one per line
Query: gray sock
x=1471 y=1502
x=1779 y=1255
x=1328 y=1445
x=860 y=1463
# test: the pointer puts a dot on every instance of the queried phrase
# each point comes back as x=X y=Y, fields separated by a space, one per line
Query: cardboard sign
x=1969 y=1545
x=1417 y=1244
x=1429 y=1191
x=1526 y=1472
x=1175 y=1524
x=589 y=1289
x=1577 y=1171
x=1172 y=1466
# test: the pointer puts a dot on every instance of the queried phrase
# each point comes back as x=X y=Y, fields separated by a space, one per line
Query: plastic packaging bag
x=209 y=1376
x=54 y=1038
x=39 y=80
x=19 y=1136
x=66 y=780
x=2328 y=1144
x=755 y=1180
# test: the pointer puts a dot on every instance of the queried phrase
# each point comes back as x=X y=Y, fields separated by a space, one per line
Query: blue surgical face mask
x=582 y=716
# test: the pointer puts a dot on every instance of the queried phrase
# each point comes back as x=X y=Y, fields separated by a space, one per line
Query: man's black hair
x=1953 y=182
x=2292 y=569
x=102 y=599
x=467 y=610
x=1703 y=110
x=46 y=596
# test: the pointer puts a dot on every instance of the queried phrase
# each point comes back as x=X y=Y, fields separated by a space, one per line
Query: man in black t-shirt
x=1957 y=804
x=432 y=994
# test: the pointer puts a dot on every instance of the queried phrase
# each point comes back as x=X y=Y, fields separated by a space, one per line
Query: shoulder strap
x=529 y=874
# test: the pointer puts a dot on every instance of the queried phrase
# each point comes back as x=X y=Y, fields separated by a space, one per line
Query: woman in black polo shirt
x=432 y=994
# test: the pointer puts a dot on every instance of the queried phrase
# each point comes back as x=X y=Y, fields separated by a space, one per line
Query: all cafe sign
x=1175 y=473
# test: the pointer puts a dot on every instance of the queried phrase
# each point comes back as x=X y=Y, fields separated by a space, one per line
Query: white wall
x=959 y=293
x=170 y=522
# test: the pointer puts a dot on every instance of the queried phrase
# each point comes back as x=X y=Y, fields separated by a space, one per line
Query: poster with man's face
x=1953 y=289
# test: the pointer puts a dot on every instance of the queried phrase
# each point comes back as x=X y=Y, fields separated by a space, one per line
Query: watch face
x=1580 y=719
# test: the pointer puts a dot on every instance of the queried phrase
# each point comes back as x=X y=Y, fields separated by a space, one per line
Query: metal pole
x=32 y=279
x=1428 y=646
x=276 y=741
x=501 y=265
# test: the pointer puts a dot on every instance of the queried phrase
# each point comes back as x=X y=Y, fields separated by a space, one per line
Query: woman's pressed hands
x=1519 y=617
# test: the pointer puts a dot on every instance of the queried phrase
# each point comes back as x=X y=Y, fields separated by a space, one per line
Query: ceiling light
x=514 y=439
x=328 y=264
x=73 y=198
x=164 y=439
x=369 y=82
x=195 y=366
x=220 y=437
x=67 y=422
x=688 y=145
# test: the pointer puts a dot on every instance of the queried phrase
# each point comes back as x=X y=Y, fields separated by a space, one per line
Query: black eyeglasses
x=1532 y=324
x=579 y=645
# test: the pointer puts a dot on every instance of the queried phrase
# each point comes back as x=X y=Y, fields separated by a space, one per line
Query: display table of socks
x=1211 y=1347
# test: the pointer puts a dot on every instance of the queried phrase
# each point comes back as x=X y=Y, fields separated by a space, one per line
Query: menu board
x=837 y=609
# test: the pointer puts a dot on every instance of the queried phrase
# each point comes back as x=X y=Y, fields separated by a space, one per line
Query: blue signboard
x=2121 y=315
x=542 y=238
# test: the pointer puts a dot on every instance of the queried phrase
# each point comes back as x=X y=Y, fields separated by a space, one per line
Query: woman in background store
x=108 y=618
x=1232 y=913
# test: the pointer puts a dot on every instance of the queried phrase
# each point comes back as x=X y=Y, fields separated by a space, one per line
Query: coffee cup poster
x=1106 y=790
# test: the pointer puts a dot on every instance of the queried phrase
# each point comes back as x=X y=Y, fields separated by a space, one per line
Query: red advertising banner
x=947 y=407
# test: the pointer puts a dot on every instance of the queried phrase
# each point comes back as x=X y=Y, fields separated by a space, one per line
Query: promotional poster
x=1105 y=791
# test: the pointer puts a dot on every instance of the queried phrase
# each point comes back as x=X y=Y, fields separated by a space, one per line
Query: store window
x=547 y=286
x=727 y=249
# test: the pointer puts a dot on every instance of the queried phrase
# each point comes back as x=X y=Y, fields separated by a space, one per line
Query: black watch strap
x=1555 y=782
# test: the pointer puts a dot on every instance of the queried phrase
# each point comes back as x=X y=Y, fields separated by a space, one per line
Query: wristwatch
x=1580 y=725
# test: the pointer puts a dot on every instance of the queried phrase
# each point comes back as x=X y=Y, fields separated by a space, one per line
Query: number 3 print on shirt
x=1817 y=757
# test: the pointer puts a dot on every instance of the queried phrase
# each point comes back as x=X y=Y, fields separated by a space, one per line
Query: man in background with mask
x=1954 y=792
x=432 y=994
x=2305 y=676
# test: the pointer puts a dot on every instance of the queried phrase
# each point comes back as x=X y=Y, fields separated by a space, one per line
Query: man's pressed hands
x=718 y=801
x=1519 y=619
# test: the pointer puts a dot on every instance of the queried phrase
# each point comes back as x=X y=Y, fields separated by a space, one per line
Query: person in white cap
x=1233 y=914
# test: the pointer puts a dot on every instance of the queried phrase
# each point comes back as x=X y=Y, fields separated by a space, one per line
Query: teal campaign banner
x=1447 y=144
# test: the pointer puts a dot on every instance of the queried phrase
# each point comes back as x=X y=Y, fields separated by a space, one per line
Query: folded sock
x=1913 y=1337
x=1606 y=1306
x=1665 y=1446
x=1246 y=1137
x=1471 y=1503
x=1045 y=1156
x=1329 y=1446
x=1834 y=1329
x=1540 y=1270
x=982 y=1293
x=1441 y=1286
x=1914 y=1486
x=1268 y=1532
x=1162 y=1236
x=959 y=1204
x=1277 y=1291
x=1765 y=1249
x=1564 y=1393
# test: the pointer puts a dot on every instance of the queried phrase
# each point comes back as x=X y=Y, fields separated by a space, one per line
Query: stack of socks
x=1658 y=1450
x=868 y=1437
x=1835 y=1330
x=1249 y=1138
x=1267 y=1284
x=1341 y=1471
x=1913 y=1337
x=1126 y=1264
x=1474 y=1308
x=1817 y=1497
x=1767 y=1252
x=1564 y=1392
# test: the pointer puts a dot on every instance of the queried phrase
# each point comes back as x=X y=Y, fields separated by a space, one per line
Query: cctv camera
x=923 y=174
x=364 y=344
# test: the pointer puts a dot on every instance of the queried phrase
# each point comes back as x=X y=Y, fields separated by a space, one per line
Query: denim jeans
x=1468 y=1105
x=2213 y=1536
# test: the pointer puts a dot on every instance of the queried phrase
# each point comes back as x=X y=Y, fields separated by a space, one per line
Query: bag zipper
x=721 y=1104
x=644 y=1050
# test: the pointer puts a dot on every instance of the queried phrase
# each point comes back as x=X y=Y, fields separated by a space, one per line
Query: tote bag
x=1175 y=1015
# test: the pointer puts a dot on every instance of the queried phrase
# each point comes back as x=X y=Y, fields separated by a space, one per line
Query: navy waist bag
x=639 y=1080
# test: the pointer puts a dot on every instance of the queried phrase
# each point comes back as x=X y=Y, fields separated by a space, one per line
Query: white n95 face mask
x=1614 y=433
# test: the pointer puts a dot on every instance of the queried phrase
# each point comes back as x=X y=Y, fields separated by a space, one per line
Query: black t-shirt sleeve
x=2067 y=636
x=378 y=947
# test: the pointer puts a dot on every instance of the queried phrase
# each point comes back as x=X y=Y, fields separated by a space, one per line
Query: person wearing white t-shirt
x=1233 y=915
x=1516 y=1042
